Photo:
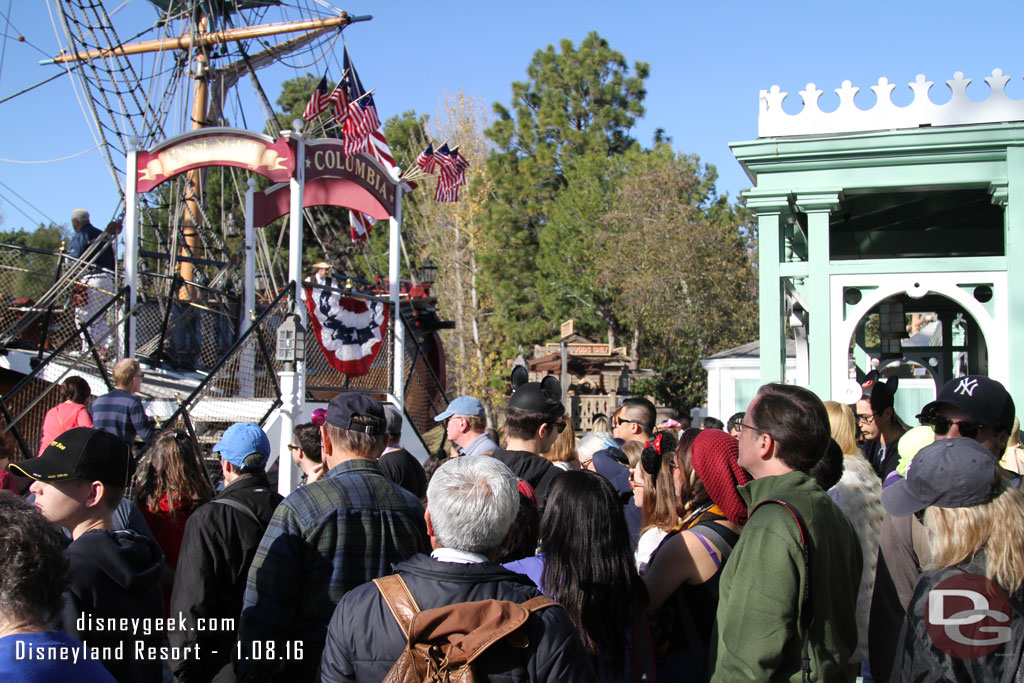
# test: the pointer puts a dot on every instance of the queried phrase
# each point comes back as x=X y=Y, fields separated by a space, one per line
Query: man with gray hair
x=471 y=507
x=95 y=279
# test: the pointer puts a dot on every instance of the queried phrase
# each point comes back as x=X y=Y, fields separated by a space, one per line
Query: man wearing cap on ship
x=325 y=539
x=465 y=425
x=217 y=549
x=973 y=407
x=78 y=482
x=533 y=420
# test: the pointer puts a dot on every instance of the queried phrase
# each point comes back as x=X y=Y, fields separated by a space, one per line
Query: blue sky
x=708 y=62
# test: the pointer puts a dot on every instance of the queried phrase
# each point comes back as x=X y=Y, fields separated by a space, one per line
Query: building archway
x=954 y=331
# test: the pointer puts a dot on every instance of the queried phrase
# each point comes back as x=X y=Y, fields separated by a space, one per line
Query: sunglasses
x=618 y=422
x=942 y=425
x=560 y=426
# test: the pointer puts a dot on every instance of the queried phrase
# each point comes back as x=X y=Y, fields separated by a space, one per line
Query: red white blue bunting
x=350 y=331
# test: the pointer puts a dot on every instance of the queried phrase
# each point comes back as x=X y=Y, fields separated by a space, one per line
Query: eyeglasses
x=740 y=426
x=293 y=447
x=867 y=419
x=967 y=428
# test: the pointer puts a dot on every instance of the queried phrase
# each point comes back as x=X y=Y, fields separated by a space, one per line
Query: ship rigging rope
x=51 y=161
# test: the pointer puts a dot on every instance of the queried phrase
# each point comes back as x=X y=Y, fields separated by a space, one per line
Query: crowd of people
x=799 y=540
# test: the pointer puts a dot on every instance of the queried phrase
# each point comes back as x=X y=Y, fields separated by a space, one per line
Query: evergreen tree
x=578 y=102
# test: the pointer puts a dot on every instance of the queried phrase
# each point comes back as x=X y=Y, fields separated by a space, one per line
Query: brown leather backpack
x=442 y=643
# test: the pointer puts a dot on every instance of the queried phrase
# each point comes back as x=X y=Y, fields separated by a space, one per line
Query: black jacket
x=114 y=575
x=918 y=657
x=534 y=468
x=618 y=474
x=364 y=640
x=402 y=467
x=219 y=544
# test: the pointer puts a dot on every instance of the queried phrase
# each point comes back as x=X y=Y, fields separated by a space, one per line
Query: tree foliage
x=578 y=103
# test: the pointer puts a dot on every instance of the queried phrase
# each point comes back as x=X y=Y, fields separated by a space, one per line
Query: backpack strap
x=241 y=507
x=400 y=601
x=806 y=611
x=538 y=603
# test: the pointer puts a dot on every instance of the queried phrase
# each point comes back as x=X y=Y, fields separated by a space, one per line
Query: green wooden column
x=818 y=205
x=768 y=207
x=1014 y=223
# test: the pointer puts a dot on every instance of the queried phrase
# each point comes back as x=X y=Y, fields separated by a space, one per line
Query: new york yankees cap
x=984 y=399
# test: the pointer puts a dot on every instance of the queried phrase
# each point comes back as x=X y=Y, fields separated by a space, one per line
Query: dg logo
x=968 y=616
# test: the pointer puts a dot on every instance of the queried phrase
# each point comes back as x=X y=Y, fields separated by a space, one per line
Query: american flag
x=448 y=179
x=362 y=112
x=339 y=98
x=459 y=163
x=317 y=101
x=359 y=224
x=426 y=159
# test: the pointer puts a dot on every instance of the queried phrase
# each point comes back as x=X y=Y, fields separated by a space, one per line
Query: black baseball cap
x=950 y=473
x=344 y=407
x=81 y=453
x=984 y=399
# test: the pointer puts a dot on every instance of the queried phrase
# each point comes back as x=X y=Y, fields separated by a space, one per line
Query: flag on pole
x=459 y=164
x=362 y=118
x=448 y=179
x=426 y=160
x=317 y=101
x=359 y=225
x=339 y=98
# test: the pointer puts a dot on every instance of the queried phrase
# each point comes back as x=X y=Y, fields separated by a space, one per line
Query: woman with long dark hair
x=588 y=567
x=683 y=573
x=169 y=485
x=71 y=412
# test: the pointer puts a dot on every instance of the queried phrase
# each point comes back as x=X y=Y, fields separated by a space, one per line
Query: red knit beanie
x=714 y=457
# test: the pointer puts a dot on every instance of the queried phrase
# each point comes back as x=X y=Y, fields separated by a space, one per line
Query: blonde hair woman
x=977 y=530
x=858 y=495
x=563 y=451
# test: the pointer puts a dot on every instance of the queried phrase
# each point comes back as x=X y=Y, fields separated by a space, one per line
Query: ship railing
x=23 y=407
x=243 y=385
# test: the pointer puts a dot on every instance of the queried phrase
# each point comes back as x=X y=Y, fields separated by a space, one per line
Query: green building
x=868 y=217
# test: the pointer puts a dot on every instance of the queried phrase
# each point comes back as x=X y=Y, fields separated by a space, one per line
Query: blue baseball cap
x=241 y=440
x=463 y=405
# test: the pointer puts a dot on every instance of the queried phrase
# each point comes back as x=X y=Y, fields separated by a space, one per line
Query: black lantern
x=291 y=341
x=625 y=382
x=428 y=272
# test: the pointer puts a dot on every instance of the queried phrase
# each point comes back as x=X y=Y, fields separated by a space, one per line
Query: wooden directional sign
x=244 y=149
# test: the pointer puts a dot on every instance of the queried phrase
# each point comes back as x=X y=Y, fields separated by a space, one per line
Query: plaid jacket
x=324 y=540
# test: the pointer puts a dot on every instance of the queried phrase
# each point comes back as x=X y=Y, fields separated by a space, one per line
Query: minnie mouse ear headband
x=878 y=393
x=653 y=454
x=534 y=397
x=319 y=417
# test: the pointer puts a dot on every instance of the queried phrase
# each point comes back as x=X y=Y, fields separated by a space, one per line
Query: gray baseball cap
x=951 y=473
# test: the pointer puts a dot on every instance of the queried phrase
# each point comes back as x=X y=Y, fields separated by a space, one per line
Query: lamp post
x=291 y=352
x=428 y=272
x=625 y=382
x=291 y=342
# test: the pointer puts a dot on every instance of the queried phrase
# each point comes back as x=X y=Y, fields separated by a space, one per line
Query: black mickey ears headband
x=653 y=454
x=534 y=396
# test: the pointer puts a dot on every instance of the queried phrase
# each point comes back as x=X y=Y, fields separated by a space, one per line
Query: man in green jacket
x=762 y=611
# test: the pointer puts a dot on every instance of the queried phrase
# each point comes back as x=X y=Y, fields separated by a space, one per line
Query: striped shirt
x=123 y=415
x=323 y=540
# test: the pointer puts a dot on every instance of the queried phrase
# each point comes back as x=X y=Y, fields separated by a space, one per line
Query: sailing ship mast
x=200 y=39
